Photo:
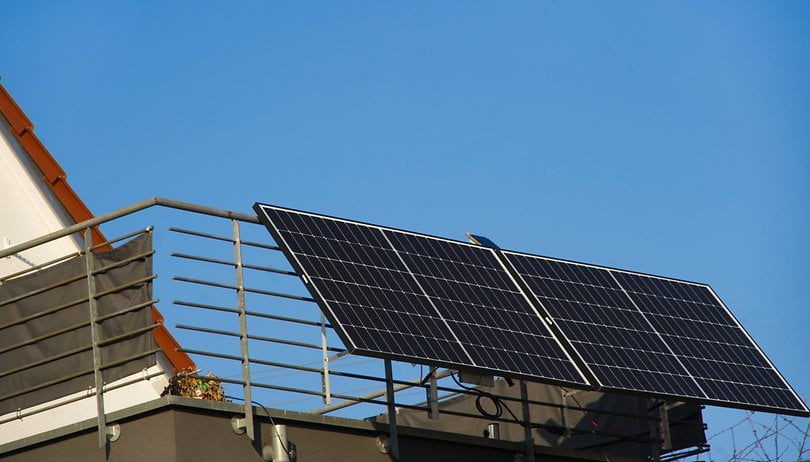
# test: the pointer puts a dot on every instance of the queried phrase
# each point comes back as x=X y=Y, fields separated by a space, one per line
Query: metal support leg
x=243 y=334
x=527 y=422
x=655 y=431
x=392 y=410
x=433 y=396
x=325 y=384
x=666 y=440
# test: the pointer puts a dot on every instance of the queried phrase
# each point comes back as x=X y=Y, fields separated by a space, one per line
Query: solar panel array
x=399 y=294
x=392 y=293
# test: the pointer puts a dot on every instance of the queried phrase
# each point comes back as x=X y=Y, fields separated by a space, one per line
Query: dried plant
x=187 y=383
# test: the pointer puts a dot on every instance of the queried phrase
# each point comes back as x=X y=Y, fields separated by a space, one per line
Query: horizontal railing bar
x=122 y=237
x=201 y=234
x=398 y=386
x=254 y=337
x=121 y=361
x=31 y=341
x=129 y=284
x=137 y=307
x=268 y=269
x=210 y=354
x=151 y=202
x=249 y=313
x=205 y=306
x=47 y=360
x=43 y=289
x=279 y=294
x=217 y=237
x=72 y=255
x=204 y=282
x=44 y=313
x=70 y=352
x=283 y=365
x=47 y=384
x=231 y=263
x=132 y=333
x=206 y=330
x=73 y=376
x=41 y=265
x=66 y=305
x=299 y=390
x=261 y=245
x=247 y=289
x=20 y=415
x=72 y=327
x=292 y=343
x=223 y=238
x=123 y=262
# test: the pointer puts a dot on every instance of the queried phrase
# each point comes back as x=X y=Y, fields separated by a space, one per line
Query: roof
x=54 y=177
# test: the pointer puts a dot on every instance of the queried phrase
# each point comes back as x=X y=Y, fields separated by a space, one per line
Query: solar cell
x=398 y=294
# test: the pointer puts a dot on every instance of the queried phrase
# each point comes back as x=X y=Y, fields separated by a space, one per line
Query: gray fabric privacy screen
x=54 y=301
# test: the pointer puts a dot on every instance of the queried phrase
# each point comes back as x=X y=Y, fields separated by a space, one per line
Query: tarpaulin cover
x=55 y=300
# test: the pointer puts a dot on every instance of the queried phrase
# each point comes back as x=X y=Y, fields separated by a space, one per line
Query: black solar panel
x=398 y=294
x=712 y=345
x=649 y=334
x=611 y=335
x=402 y=295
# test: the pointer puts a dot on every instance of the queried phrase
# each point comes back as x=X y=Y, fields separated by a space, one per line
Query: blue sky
x=668 y=137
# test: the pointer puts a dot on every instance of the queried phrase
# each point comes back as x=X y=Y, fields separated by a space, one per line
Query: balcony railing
x=240 y=311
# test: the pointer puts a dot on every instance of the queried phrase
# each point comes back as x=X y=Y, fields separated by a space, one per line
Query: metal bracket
x=112 y=432
x=238 y=425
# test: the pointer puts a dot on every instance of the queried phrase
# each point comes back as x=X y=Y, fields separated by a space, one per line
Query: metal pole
x=243 y=334
x=325 y=385
x=527 y=422
x=433 y=396
x=98 y=379
x=392 y=410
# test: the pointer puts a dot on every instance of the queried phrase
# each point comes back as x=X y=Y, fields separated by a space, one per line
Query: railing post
x=105 y=433
x=243 y=333
x=325 y=383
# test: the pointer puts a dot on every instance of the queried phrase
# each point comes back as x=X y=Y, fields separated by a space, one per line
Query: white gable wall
x=28 y=209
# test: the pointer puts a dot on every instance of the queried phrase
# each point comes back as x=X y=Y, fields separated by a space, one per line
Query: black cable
x=283 y=443
x=498 y=402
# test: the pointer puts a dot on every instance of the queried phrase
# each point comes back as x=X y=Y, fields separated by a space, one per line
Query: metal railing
x=244 y=315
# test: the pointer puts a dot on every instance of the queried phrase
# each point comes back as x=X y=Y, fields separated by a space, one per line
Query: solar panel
x=654 y=335
x=712 y=345
x=399 y=294
x=402 y=295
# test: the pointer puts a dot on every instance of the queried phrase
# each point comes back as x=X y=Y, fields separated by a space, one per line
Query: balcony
x=264 y=356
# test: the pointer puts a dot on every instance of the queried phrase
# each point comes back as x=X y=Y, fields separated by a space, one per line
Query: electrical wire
x=496 y=401
x=272 y=423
